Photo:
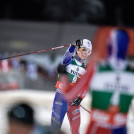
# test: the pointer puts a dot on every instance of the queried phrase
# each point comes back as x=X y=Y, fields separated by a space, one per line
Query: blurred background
x=27 y=26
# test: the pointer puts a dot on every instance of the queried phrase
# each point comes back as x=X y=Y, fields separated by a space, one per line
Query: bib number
x=74 y=79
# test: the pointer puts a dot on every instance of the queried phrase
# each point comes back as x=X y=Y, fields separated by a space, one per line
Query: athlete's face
x=83 y=53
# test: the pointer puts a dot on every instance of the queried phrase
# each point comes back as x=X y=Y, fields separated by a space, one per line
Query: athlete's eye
x=84 y=50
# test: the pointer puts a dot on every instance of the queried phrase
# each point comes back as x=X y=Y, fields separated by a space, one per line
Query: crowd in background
x=14 y=70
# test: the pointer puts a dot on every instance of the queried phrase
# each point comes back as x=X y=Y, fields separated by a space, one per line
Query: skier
x=112 y=88
x=73 y=65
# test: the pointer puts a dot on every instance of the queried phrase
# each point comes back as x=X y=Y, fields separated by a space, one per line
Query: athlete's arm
x=68 y=55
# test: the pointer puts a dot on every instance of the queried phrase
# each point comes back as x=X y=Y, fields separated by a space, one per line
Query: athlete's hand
x=76 y=101
x=61 y=69
x=77 y=43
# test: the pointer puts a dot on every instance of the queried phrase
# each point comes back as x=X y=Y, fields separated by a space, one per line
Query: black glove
x=76 y=101
x=78 y=43
x=61 y=69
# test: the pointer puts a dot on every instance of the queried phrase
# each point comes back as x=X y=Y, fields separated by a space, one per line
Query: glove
x=76 y=101
x=61 y=69
x=77 y=43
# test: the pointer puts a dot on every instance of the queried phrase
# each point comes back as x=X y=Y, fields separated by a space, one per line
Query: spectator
x=21 y=119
